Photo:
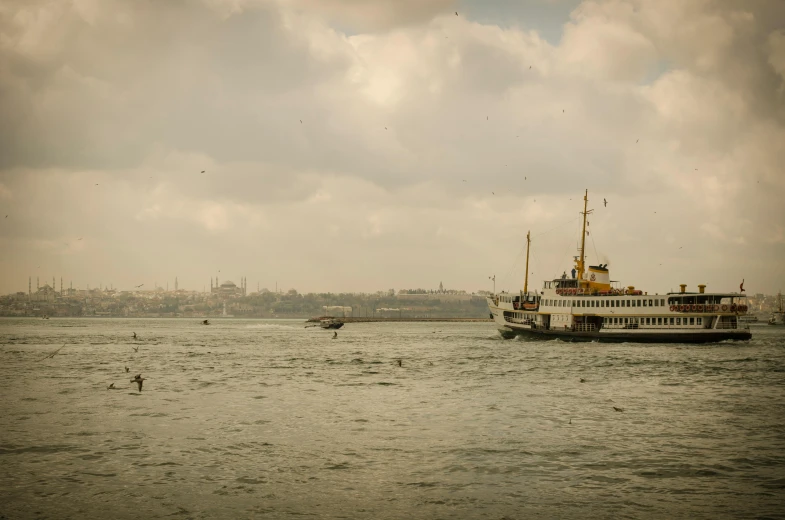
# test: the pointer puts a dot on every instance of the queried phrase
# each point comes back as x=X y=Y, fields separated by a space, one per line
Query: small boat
x=778 y=316
x=330 y=323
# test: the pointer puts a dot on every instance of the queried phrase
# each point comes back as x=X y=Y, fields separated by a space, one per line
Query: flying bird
x=741 y=287
x=530 y=66
x=202 y=171
x=138 y=286
x=138 y=380
x=456 y=13
x=636 y=140
x=136 y=349
x=53 y=353
x=301 y=121
x=80 y=238
x=605 y=202
x=493 y=193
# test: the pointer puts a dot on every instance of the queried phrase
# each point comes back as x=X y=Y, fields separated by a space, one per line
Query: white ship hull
x=653 y=326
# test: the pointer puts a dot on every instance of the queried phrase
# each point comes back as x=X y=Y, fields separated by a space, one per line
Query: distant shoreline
x=382 y=320
x=248 y=318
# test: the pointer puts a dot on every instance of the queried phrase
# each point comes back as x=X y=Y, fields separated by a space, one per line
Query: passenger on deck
x=573 y=273
x=564 y=275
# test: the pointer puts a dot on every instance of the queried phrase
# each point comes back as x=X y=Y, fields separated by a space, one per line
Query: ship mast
x=526 y=280
x=581 y=263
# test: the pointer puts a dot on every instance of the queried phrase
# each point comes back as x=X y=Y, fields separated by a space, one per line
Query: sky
x=356 y=146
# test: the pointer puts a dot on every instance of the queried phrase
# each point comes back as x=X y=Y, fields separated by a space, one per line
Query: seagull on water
x=110 y=387
x=138 y=380
x=615 y=408
x=136 y=349
x=134 y=335
x=127 y=370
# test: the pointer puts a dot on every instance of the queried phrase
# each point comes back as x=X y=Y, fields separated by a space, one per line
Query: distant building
x=228 y=289
x=44 y=294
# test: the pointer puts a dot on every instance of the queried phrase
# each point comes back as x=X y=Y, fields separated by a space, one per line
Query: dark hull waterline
x=636 y=337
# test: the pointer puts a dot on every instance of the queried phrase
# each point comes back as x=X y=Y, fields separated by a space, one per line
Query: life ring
x=743 y=308
x=700 y=308
x=733 y=308
x=672 y=308
x=692 y=308
x=681 y=308
x=724 y=308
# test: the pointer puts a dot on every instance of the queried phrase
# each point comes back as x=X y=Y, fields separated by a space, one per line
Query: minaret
x=176 y=287
x=30 y=288
x=61 y=286
x=211 y=285
x=37 y=284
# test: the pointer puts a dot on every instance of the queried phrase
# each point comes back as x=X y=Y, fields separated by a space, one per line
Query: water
x=267 y=419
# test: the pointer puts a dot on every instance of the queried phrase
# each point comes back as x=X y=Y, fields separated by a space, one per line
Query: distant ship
x=586 y=307
x=330 y=323
x=778 y=316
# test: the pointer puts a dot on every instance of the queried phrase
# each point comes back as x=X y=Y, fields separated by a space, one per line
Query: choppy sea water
x=268 y=419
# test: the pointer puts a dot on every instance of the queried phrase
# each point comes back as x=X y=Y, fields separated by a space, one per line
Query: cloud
x=358 y=145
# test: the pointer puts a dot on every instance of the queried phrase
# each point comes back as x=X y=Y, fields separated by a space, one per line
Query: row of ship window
x=606 y=303
x=628 y=321
x=653 y=321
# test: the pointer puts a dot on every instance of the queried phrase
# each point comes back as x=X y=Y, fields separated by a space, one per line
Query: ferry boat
x=778 y=316
x=588 y=306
